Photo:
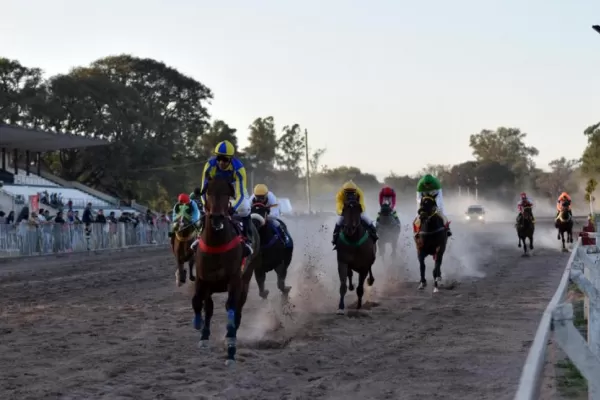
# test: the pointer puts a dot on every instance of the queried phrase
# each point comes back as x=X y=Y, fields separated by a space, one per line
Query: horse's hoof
x=370 y=282
x=519 y=245
x=340 y=312
x=229 y=363
x=436 y=290
x=192 y=278
x=422 y=285
x=286 y=289
x=264 y=294
x=203 y=344
x=351 y=288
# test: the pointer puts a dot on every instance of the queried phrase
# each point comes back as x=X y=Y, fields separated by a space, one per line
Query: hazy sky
x=383 y=85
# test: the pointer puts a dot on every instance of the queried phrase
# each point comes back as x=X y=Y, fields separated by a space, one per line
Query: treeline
x=161 y=133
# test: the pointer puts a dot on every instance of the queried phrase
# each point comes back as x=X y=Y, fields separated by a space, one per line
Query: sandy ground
x=114 y=327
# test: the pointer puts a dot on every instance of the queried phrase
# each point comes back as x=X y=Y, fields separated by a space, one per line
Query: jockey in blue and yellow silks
x=223 y=163
x=351 y=189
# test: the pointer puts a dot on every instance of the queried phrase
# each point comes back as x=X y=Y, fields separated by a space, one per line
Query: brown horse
x=431 y=239
x=220 y=266
x=355 y=252
x=564 y=224
x=181 y=243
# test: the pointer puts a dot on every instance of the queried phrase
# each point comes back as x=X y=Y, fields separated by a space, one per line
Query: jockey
x=185 y=208
x=351 y=188
x=264 y=196
x=524 y=202
x=430 y=186
x=223 y=163
x=196 y=196
x=387 y=196
x=563 y=198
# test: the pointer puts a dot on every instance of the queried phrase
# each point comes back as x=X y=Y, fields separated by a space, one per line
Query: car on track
x=475 y=213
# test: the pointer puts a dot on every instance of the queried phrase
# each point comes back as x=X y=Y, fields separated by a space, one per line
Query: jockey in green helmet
x=430 y=186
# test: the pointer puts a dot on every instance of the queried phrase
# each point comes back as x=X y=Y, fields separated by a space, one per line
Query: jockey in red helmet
x=387 y=203
x=524 y=201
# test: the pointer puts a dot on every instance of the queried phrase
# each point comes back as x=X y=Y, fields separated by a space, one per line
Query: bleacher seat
x=22 y=178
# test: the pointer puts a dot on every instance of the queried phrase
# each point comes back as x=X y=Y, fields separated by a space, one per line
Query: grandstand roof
x=16 y=137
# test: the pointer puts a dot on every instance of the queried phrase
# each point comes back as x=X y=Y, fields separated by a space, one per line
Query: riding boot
x=284 y=235
x=246 y=221
x=336 y=235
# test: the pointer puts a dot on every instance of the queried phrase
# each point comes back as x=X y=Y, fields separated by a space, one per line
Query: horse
x=564 y=223
x=526 y=228
x=220 y=265
x=388 y=229
x=274 y=255
x=431 y=238
x=355 y=252
x=181 y=243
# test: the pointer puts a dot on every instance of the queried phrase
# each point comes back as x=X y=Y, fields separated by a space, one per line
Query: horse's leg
x=191 y=264
x=233 y=292
x=562 y=236
x=423 y=281
x=197 y=303
x=437 y=271
x=371 y=279
x=531 y=241
x=519 y=236
x=350 y=275
x=260 y=275
x=343 y=274
x=360 y=289
x=281 y=271
x=241 y=303
x=209 y=308
x=180 y=272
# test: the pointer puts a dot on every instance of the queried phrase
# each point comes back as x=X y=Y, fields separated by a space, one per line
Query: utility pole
x=476 y=190
x=307 y=170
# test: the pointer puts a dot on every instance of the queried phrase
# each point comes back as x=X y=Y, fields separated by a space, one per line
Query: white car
x=475 y=213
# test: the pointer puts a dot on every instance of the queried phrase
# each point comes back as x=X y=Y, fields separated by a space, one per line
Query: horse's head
x=428 y=207
x=386 y=210
x=218 y=192
x=259 y=213
x=527 y=213
x=564 y=206
x=351 y=215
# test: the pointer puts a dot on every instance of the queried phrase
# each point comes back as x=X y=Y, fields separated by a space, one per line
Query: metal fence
x=27 y=238
x=557 y=322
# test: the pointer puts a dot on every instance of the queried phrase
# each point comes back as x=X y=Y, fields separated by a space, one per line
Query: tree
x=590 y=188
x=291 y=148
x=505 y=146
x=315 y=159
x=591 y=155
x=263 y=143
x=558 y=179
x=21 y=93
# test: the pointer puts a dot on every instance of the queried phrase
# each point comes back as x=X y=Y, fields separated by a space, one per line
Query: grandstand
x=18 y=184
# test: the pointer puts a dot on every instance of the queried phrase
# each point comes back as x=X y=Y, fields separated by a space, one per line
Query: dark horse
x=220 y=266
x=181 y=243
x=274 y=253
x=564 y=223
x=430 y=239
x=388 y=229
x=525 y=228
x=355 y=252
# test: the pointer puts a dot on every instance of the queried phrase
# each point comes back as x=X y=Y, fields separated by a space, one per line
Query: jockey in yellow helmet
x=563 y=198
x=223 y=163
x=350 y=188
x=264 y=196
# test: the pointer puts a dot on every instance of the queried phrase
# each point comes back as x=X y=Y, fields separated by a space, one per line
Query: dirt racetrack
x=114 y=326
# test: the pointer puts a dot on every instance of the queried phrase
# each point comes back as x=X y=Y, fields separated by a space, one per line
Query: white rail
x=558 y=319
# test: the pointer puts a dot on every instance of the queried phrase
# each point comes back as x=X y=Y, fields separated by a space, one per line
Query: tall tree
x=314 y=161
x=291 y=149
x=505 y=146
x=591 y=156
x=21 y=93
x=559 y=178
x=263 y=142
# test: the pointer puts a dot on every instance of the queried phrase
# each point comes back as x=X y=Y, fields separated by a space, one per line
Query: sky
x=382 y=85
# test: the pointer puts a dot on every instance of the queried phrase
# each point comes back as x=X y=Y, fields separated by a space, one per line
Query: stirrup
x=194 y=244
